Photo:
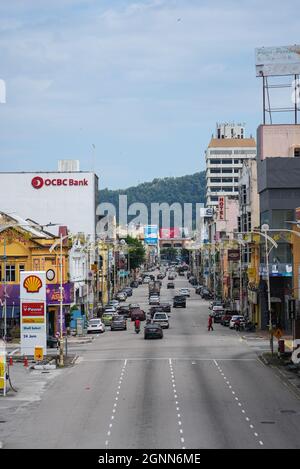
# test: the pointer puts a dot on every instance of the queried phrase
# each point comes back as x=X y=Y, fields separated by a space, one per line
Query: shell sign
x=32 y=284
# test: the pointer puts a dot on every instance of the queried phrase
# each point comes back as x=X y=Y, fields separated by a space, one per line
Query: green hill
x=184 y=189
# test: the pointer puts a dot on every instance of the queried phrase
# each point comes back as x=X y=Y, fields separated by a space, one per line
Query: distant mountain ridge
x=183 y=189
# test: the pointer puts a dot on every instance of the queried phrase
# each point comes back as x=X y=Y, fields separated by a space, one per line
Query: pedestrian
x=210 y=322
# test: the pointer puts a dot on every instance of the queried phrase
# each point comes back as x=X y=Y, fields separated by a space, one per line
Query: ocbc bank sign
x=38 y=182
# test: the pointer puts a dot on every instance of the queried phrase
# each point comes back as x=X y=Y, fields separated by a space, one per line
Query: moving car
x=147 y=280
x=121 y=296
x=179 y=301
x=118 y=324
x=162 y=319
x=128 y=291
x=170 y=285
x=154 y=300
x=124 y=311
x=225 y=319
x=134 y=284
x=114 y=303
x=218 y=316
x=95 y=325
x=184 y=292
x=153 y=331
x=165 y=307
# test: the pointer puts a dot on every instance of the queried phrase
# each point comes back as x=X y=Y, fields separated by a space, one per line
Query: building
x=27 y=248
x=68 y=196
x=224 y=156
x=278 y=169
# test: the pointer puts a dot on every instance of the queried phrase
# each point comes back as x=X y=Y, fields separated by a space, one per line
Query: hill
x=183 y=189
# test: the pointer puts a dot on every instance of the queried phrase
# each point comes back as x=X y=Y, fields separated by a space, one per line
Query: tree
x=136 y=252
x=169 y=254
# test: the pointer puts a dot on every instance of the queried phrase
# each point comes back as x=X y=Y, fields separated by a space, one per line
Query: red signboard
x=33 y=309
x=169 y=233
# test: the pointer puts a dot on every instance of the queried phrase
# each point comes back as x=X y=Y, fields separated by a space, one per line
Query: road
x=193 y=389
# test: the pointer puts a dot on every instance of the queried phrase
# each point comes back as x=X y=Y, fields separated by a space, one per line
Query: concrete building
x=224 y=156
x=278 y=169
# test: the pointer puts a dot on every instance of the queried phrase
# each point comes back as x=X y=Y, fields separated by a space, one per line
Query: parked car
x=118 y=323
x=110 y=310
x=206 y=294
x=147 y=280
x=162 y=319
x=170 y=285
x=114 y=303
x=198 y=289
x=153 y=331
x=95 y=325
x=121 y=296
x=179 y=301
x=154 y=300
x=234 y=319
x=140 y=280
x=128 y=291
x=134 y=284
x=218 y=316
x=225 y=319
x=107 y=318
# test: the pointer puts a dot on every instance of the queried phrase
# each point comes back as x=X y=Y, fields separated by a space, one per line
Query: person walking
x=210 y=322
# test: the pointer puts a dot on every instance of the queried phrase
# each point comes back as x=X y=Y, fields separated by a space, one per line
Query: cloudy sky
x=144 y=82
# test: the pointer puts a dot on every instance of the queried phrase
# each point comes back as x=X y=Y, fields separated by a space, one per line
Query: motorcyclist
x=137 y=324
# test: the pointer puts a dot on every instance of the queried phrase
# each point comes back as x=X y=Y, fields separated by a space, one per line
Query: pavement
x=193 y=389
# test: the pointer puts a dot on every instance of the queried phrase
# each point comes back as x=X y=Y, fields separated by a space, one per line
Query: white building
x=225 y=155
x=65 y=197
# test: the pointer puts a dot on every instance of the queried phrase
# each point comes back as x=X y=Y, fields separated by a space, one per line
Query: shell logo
x=32 y=284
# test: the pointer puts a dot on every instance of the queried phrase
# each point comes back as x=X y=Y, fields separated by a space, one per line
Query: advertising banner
x=221 y=208
x=275 y=61
x=169 y=233
x=151 y=234
x=234 y=255
x=33 y=317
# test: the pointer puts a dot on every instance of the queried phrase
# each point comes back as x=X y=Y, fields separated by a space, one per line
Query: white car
x=162 y=319
x=114 y=303
x=154 y=300
x=110 y=309
x=95 y=325
x=146 y=280
x=234 y=319
x=184 y=292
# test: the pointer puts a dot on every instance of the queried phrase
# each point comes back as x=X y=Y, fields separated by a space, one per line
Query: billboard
x=169 y=233
x=33 y=311
x=221 y=208
x=274 y=61
x=151 y=234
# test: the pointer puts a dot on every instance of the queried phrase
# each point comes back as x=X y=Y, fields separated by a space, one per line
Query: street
x=193 y=389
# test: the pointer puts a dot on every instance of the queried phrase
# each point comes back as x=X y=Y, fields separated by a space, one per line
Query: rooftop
x=232 y=143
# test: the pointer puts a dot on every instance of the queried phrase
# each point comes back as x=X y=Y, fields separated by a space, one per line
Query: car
x=234 y=319
x=179 y=301
x=121 y=296
x=162 y=319
x=124 y=311
x=140 y=280
x=170 y=285
x=181 y=273
x=218 y=316
x=166 y=307
x=110 y=309
x=216 y=303
x=118 y=323
x=52 y=341
x=107 y=318
x=171 y=277
x=134 y=284
x=114 y=303
x=153 y=331
x=147 y=280
x=154 y=300
x=198 y=289
x=206 y=294
x=95 y=325
x=160 y=277
x=184 y=292
x=128 y=291
x=217 y=309
x=225 y=319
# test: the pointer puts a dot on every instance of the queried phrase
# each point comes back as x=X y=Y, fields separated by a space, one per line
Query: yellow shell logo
x=32 y=284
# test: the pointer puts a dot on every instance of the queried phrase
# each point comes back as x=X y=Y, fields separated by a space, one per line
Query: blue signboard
x=151 y=234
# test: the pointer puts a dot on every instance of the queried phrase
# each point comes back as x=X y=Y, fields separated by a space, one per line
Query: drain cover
x=288 y=411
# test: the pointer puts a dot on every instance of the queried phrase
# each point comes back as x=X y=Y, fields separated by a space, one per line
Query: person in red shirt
x=210 y=322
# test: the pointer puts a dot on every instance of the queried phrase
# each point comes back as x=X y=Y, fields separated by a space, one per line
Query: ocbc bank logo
x=37 y=182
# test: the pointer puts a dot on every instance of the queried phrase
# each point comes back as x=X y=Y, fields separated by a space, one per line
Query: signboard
x=221 y=208
x=38 y=354
x=2 y=373
x=151 y=234
x=33 y=311
x=233 y=255
x=274 y=61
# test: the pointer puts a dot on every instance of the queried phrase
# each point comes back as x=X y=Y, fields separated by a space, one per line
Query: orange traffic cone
x=11 y=361
x=26 y=362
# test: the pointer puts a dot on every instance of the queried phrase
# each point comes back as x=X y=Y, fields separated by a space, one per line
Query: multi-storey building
x=225 y=156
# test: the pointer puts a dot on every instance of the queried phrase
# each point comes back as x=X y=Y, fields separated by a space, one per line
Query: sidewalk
x=265 y=336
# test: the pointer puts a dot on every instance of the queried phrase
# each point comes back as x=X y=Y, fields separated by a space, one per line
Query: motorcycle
x=137 y=330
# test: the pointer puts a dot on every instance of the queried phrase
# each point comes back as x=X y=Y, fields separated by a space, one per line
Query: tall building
x=225 y=155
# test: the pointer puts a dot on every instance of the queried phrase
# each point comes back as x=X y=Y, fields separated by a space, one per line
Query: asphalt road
x=193 y=389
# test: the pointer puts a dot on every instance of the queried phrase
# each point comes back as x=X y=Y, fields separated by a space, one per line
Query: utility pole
x=265 y=228
x=61 y=345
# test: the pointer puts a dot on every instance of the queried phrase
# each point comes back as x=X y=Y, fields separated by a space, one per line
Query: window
x=214 y=161
x=215 y=179
x=236 y=189
x=236 y=179
x=280 y=217
x=227 y=189
x=227 y=171
x=236 y=170
x=21 y=267
x=214 y=189
x=236 y=161
x=297 y=152
x=249 y=221
x=226 y=179
x=239 y=224
x=10 y=272
x=244 y=194
x=215 y=170
x=227 y=161
x=214 y=198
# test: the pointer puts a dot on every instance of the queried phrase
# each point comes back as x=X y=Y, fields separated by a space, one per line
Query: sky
x=132 y=89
